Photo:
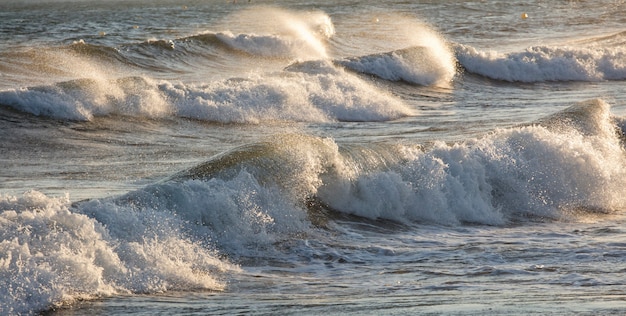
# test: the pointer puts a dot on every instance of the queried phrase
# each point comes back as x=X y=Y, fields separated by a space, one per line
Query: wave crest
x=281 y=33
x=419 y=65
x=573 y=161
x=321 y=95
x=545 y=63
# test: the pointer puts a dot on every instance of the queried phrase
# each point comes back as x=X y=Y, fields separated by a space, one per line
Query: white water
x=545 y=63
x=63 y=256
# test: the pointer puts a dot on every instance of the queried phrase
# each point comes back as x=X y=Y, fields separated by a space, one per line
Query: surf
x=546 y=63
x=255 y=201
x=546 y=170
x=62 y=255
x=323 y=95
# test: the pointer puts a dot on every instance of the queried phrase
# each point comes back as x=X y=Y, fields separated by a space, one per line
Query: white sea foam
x=293 y=96
x=52 y=254
x=161 y=237
x=85 y=99
x=547 y=63
x=324 y=95
x=158 y=238
x=573 y=162
x=236 y=214
x=240 y=201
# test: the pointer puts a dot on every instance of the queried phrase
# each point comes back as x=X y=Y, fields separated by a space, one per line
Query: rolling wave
x=610 y=40
x=546 y=63
x=290 y=36
x=247 y=202
x=325 y=95
x=317 y=90
x=421 y=65
x=418 y=65
x=574 y=161
x=568 y=161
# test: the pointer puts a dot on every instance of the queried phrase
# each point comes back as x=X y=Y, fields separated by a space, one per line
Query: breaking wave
x=326 y=94
x=546 y=63
x=174 y=234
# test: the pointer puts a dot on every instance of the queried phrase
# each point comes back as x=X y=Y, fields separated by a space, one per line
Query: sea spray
x=573 y=162
x=52 y=253
x=281 y=33
x=410 y=50
x=416 y=65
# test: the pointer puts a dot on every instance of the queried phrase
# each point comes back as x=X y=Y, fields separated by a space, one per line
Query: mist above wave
x=413 y=51
x=281 y=33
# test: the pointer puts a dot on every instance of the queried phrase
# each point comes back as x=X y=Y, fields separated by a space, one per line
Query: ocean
x=339 y=157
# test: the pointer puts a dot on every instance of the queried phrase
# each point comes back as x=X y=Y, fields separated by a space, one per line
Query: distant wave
x=175 y=55
x=266 y=45
x=324 y=95
x=419 y=65
x=281 y=33
x=260 y=45
x=96 y=51
x=546 y=63
x=605 y=40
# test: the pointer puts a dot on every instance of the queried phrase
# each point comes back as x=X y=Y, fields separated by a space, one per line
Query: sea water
x=306 y=157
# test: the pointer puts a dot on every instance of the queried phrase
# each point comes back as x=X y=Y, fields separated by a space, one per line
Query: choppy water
x=294 y=157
